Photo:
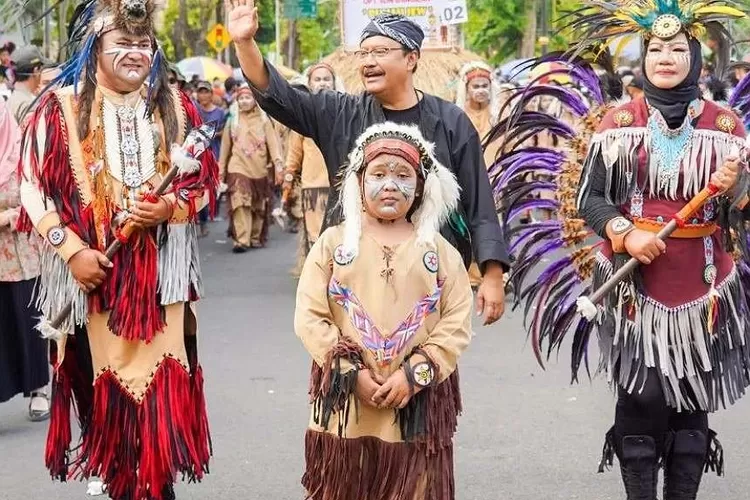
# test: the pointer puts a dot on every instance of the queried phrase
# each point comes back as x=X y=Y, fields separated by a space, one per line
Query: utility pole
x=279 y=59
x=47 y=30
x=544 y=38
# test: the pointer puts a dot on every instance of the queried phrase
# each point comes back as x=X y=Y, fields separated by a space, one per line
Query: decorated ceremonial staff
x=659 y=180
x=98 y=155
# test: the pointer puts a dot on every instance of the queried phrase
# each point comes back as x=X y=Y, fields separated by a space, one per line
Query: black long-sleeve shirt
x=335 y=121
x=595 y=209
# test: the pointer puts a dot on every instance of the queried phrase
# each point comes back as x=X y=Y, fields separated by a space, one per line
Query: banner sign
x=430 y=15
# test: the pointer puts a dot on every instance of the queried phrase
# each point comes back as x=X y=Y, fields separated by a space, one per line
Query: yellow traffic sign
x=218 y=37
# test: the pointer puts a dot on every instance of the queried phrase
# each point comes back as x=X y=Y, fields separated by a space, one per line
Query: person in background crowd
x=48 y=74
x=230 y=85
x=306 y=170
x=23 y=352
x=478 y=95
x=6 y=64
x=388 y=55
x=176 y=77
x=209 y=112
x=218 y=88
x=249 y=149
x=29 y=64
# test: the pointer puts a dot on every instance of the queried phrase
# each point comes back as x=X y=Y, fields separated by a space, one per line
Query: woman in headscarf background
x=23 y=352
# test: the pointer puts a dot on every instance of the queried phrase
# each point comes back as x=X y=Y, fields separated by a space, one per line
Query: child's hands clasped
x=395 y=392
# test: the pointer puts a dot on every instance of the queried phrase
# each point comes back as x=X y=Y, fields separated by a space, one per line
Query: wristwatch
x=617 y=229
x=423 y=374
x=619 y=225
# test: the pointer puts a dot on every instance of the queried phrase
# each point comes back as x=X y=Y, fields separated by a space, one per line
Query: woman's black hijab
x=673 y=103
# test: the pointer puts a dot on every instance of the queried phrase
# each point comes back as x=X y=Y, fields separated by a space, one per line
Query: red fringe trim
x=70 y=388
x=368 y=468
x=131 y=292
x=59 y=434
x=208 y=177
x=138 y=448
x=56 y=181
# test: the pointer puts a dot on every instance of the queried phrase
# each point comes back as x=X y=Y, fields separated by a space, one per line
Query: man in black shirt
x=388 y=57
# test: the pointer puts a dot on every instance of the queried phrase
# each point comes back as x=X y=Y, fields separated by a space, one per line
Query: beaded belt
x=687 y=231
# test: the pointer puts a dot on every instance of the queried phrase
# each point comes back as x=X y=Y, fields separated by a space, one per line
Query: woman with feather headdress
x=93 y=153
x=673 y=337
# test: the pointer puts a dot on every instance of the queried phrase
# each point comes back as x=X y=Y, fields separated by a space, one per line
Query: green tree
x=496 y=27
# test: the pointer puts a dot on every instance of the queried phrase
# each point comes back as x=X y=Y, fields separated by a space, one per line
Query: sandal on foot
x=39 y=409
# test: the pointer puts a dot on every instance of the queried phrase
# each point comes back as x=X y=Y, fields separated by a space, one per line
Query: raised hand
x=242 y=20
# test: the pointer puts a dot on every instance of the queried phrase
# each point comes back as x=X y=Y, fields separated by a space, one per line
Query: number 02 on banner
x=452 y=11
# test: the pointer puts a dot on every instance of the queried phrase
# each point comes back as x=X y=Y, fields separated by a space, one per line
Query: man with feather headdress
x=93 y=152
x=659 y=180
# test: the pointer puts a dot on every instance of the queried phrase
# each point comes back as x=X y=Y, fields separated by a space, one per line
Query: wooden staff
x=203 y=133
x=587 y=305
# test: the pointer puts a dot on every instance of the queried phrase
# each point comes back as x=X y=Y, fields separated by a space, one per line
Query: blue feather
x=153 y=76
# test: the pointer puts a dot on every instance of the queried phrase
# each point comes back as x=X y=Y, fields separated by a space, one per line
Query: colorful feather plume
x=601 y=22
x=553 y=259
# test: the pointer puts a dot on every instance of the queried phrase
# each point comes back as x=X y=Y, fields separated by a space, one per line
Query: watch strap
x=617 y=239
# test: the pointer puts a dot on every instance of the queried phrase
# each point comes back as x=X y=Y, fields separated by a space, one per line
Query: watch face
x=422 y=374
x=620 y=224
x=56 y=236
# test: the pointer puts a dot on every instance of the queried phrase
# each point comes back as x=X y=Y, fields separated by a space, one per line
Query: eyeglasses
x=378 y=53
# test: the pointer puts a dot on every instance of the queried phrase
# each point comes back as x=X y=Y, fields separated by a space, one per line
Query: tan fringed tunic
x=249 y=148
x=376 y=309
x=306 y=162
x=143 y=415
x=482 y=121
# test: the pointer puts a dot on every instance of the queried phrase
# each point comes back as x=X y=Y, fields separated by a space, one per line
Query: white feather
x=439 y=199
x=47 y=331
x=185 y=163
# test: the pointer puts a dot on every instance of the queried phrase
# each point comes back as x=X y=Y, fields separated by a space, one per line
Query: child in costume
x=383 y=307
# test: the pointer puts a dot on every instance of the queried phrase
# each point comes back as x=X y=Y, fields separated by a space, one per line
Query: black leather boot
x=684 y=465
x=639 y=465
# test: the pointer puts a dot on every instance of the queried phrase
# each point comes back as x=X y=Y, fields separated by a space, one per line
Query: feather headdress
x=440 y=194
x=599 y=21
x=91 y=20
x=473 y=70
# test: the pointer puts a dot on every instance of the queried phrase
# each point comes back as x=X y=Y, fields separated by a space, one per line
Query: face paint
x=121 y=53
x=479 y=90
x=376 y=186
x=668 y=62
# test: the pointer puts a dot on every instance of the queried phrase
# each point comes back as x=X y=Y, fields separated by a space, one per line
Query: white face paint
x=390 y=184
x=125 y=61
x=246 y=102
x=479 y=90
x=668 y=62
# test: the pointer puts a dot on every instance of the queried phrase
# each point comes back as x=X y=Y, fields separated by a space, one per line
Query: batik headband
x=396 y=27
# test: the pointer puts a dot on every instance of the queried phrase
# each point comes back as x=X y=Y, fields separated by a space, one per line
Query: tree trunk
x=528 y=42
x=180 y=32
x=291 y=56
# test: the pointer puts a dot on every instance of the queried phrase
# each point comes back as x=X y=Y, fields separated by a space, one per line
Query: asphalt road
x=526 y=434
